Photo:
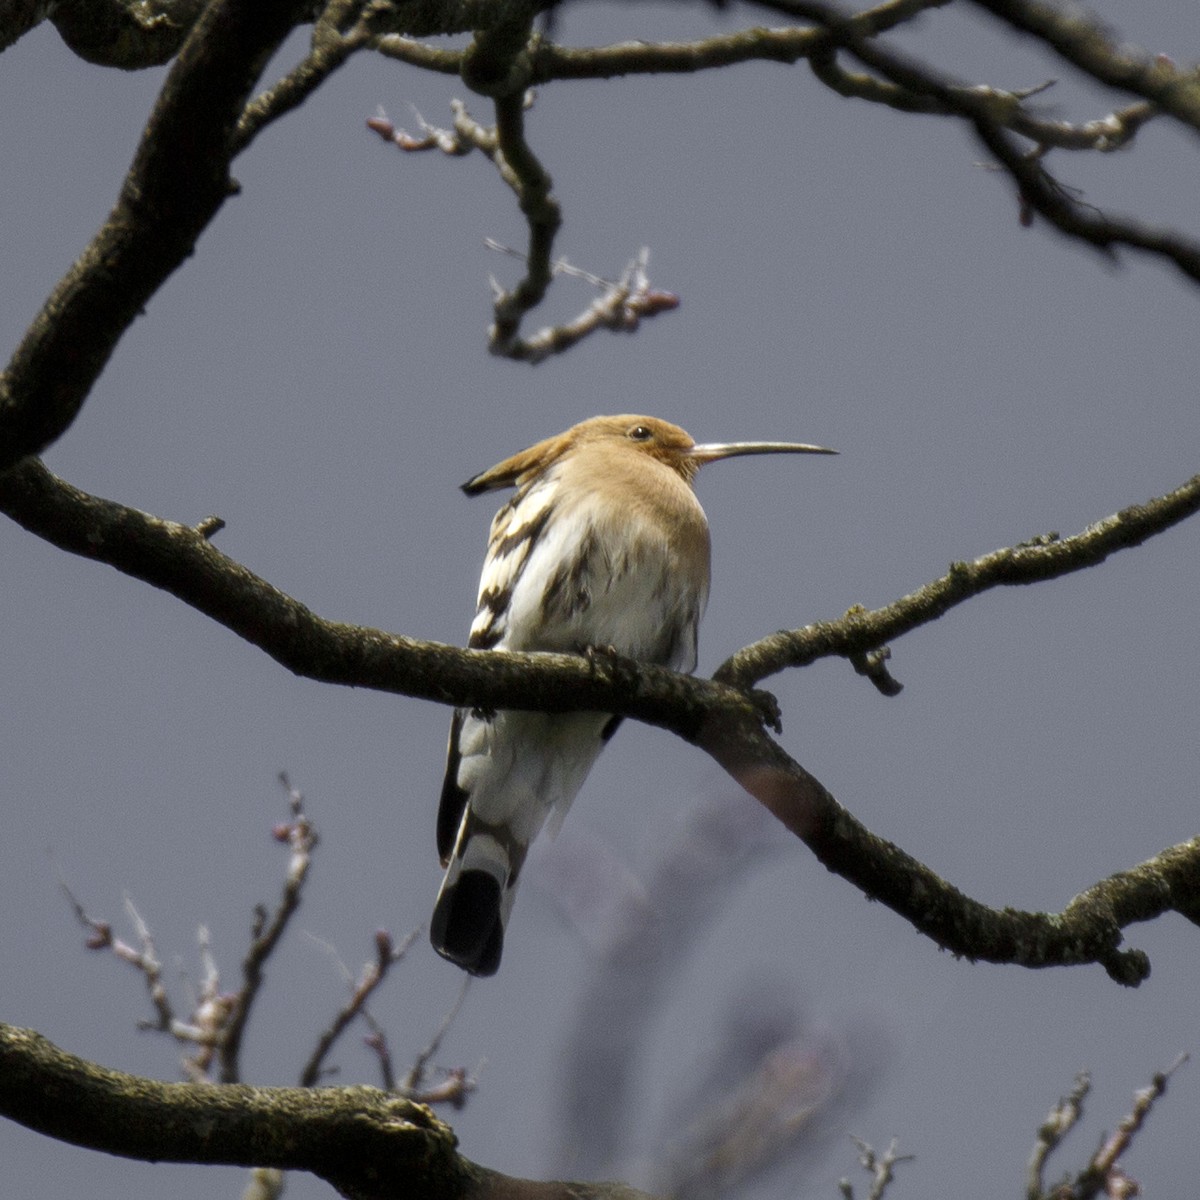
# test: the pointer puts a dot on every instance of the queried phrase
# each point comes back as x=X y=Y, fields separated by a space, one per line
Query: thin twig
x=882 y=1169
x=387 y=954
x=1060 y=1120
x=342 y=29
x=1103 y=1173
x=457 y=1084
x=300 y=837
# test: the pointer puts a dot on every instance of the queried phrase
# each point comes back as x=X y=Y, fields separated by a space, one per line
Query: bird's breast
x=625 y=572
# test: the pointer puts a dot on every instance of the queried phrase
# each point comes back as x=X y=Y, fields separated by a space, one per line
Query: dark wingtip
x=466 y=927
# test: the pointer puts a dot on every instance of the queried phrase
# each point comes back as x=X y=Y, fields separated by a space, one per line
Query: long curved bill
x=711 y=451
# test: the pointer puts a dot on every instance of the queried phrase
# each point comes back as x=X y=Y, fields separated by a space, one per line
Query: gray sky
x=317 y=376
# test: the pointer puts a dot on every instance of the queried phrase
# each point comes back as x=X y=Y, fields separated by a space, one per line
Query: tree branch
x=721 y=717
x=130 y=34
x=344 y=27
x=1041 y=558
x=1083 y=222
x=178 y=181
x=520 y=169
x=1082 y=41
x=301 y=839
x=915 y=87
x=1088 y=930
x=182 y=560
x=367 y=1144
x=551 y=61
x=1103 y=1173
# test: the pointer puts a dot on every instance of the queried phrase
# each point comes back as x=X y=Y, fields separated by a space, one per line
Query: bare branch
x=520 y=169
x=418 y=54
x=1041 y=558
x=300 y=837
x=882 y=1169
x=364 y=1142
x=1082 y=41
x=1061 y=1119
x=1103 y=1173
x=1084 y=222
x=178 y=181
x=722 y=718
x=915 y=87
x=787 y=45
x=505 y=58
x=621 y=307
x=145 y=960
x=459 y=1083
x=387 y=954
x=466 y=135
x=923 y=91
x=201 y=1032
x=130 y=34
x=1088 y=930
x=551 y=61
x=344 y=27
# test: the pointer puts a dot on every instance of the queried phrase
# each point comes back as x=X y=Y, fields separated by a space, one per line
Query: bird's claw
x=608 y=662
x=769 y=712
x=872 y=665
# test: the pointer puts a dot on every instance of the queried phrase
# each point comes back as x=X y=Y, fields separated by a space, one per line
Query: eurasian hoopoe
x=604 y=545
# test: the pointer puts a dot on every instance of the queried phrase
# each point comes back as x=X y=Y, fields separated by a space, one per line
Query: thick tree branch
x=181 y=560
x=723 y=719
x=369 y=1145
x=1088 y=930
x=129 y=34
x=178 y=181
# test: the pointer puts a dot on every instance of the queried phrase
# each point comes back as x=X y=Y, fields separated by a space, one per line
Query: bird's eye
x=640 y=433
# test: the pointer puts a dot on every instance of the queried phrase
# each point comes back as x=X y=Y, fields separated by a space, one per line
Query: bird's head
x=622 y=435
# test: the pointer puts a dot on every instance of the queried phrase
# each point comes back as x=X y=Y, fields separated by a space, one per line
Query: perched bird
x=603 y=545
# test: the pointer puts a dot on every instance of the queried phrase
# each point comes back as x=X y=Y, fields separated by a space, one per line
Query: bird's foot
x=607 y=661
x=769 y=712
x=872 y=665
